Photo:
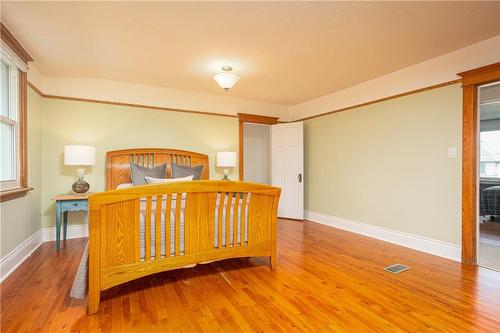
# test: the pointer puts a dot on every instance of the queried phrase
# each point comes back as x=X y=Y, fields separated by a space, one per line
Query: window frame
x=13 y=54
x=12 y=119
x=487 y=178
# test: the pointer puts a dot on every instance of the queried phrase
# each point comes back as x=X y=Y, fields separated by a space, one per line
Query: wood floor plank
x=327 y=280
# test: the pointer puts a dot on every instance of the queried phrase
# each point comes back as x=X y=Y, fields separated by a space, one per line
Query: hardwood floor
x=327 y=280
x=489 y=232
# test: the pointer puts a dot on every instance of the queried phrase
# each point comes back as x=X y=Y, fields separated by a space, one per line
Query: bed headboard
x=118 y=162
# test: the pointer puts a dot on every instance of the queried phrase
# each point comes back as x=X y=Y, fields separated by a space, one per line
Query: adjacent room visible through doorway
x=489 y=176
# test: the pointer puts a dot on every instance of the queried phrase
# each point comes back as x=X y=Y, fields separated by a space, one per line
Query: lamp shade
x=226 y=159
x=226 y=80
x=79 y=155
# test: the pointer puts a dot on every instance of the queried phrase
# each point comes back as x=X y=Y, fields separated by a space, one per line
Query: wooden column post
x=469 y=174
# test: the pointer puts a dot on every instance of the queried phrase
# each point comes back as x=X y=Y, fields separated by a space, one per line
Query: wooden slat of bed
x=158 y=226
x=136 y=223
x=227 y=220
x=219 y=226
x=168 y=212
x=178 y=207
x=235 y=219
x=243 y=215
x=147 y=229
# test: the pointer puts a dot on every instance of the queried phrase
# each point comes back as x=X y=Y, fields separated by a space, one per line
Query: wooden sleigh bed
x=199 y=221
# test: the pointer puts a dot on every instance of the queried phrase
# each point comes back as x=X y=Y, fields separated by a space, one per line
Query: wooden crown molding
x=411 y=92
x=13 y=44
x=143 y=106
x=254 y=118
x=481 y=75
x=245 y=117
x=35 y=89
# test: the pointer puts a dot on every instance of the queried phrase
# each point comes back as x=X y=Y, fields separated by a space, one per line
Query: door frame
x=249 y=118
x=471 y=80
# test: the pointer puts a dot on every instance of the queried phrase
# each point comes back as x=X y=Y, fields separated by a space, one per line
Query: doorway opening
x=257 y=153
x=488 y=247
x=272 y=153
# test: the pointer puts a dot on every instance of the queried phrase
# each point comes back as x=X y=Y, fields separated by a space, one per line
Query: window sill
x=14 y=193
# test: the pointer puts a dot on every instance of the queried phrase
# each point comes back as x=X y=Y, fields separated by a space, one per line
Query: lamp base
x=80 y=186
x=226 y=172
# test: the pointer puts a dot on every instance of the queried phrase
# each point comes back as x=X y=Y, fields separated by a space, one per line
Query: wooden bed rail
x=143 y=230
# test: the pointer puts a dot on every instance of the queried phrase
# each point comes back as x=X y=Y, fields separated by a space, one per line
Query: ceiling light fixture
x=226 y=80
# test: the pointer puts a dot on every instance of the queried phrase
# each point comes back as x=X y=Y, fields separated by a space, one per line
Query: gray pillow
x=180 y=171
x=138 y=172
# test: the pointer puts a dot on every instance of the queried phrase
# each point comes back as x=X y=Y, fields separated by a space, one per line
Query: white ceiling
x=285 y=52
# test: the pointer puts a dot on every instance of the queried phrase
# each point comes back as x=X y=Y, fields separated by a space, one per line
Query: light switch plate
x=452 y=152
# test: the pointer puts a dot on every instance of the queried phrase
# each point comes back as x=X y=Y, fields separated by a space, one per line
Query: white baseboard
x=439 y=248
x=17 y=256
x=74 y=231
x=424 y=244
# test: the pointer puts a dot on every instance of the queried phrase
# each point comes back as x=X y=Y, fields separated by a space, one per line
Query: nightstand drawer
x=72 y=205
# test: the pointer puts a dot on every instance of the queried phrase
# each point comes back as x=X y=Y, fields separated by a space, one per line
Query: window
x=489 y=158
x=13 y=117
x=9 y=126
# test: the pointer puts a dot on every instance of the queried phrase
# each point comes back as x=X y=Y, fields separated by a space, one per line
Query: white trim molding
x=23 y=251
x=17 y=256
x=12 y=57
x=74 y=231
x=419 y=243
x=149 y=95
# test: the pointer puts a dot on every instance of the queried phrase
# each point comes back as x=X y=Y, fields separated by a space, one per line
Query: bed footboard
x=143 y=230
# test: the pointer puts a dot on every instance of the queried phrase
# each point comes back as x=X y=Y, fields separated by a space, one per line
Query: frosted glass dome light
x=226 y=80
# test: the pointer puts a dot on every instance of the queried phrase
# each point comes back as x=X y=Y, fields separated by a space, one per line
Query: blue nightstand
x=67 y=203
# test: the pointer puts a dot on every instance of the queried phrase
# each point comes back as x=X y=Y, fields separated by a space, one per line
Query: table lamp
x=80 y=156
x=226 y=160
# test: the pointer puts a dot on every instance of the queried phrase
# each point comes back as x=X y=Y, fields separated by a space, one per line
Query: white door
x=287 y=168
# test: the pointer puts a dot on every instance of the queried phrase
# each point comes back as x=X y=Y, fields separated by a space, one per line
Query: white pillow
x=125 y=185
x=152 y=180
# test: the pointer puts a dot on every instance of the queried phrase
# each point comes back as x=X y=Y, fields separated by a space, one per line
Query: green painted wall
x=109 y=127
x=20 y=218
x=386 y=164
